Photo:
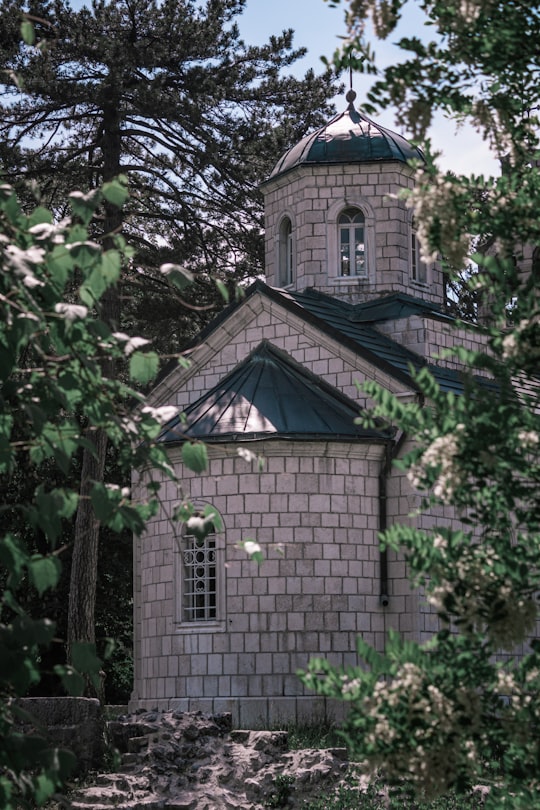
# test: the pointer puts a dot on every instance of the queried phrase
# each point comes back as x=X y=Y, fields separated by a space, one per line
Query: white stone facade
x=315 y=510
x=317 y=505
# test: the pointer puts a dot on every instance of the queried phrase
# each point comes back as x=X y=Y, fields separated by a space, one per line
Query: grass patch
x=378 y=797
x=320 y=735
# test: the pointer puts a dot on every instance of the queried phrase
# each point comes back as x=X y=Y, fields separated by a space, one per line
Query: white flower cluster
x=469 y=10
x=163 y=414
x=498 y=128
x=23 y=262
x=517 y=693
x=50 y=231
x=529 y=438
x=483 y=600
x=71 y=312
x=431 y=756
x=350 y=687
x=522 y=341
x=438 y=206
x=130 y=343
x=440 y=456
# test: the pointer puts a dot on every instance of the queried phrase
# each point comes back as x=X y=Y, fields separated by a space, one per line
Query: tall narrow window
x=286 y=253
x=200 y=581
x=418 y=267
x=352 y=247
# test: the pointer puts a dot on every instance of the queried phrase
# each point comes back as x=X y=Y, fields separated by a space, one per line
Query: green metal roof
x=350 y=137
x=269 y=395
x=354 y=325
x=395 y=306
x=347 y=321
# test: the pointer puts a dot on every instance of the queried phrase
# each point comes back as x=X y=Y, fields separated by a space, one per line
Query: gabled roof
x=398 y=305
x=346 y=324
x=269 y=395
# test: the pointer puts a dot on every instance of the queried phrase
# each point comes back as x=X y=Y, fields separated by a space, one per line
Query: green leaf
x=51 y=508
x=60 y=263
x=180 y=276
x=27 y=32
x=93 y=288
x=72 y=682
x=103 y=501
x=40 y=215
x=30 y=632
x=143 y=366
x=84 y=657
x=116 y=192
x=195 y=456
x=223 y=291
x=44 y=572
x=13 y=556
x=84 y=205
x=85 y=660
x=44 y=788
x=111 y=266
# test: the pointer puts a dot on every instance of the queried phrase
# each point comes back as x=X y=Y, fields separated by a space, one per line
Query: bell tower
x=334 y=217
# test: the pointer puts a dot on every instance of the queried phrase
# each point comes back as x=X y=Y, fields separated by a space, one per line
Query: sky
x=318 y=27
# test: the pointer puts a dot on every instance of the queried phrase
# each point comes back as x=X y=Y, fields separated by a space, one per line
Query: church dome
x=350 y=137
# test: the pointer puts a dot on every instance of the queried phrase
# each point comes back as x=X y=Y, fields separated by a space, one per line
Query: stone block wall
x=313 y=196
x=428 y=337
x=314 y=510
x=73 y=723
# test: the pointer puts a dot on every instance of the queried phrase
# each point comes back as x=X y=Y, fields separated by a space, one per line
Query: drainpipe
x=390 y=453
x=384 y=599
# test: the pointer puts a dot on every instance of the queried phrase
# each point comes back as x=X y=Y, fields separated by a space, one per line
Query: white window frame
x=351 y=222
x=285 y=251
x=199 y=576
x=333 y=242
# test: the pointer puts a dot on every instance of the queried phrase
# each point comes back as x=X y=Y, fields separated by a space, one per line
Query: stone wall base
x=69 y=722
x=254 y=713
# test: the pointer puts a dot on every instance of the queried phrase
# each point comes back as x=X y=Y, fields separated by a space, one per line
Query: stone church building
x=346 y=299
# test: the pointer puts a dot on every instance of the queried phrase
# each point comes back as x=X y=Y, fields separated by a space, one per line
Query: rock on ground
x=191 y=761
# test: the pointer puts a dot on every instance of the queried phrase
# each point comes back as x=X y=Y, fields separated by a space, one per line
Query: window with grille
x=352 y=246
x=199 y=592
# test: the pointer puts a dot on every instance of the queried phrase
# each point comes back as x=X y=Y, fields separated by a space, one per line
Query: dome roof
x=350 y=137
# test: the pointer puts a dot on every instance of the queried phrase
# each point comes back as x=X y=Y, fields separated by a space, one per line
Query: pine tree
x=169 y=96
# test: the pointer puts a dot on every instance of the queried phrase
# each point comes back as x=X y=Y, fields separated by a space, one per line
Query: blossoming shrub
x=437 y=714
x=465 y=707
x=53 y=391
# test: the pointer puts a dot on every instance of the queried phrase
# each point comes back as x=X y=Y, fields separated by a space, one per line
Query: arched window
x=199 y=559
x=419 y=271
x=352 y=246
x=286 y=253
x=199 y=571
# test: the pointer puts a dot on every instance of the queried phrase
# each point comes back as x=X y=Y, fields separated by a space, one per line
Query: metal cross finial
x=351 y=95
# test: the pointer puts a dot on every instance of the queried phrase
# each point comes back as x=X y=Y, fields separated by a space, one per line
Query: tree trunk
x=84 y=567
x=82 y=589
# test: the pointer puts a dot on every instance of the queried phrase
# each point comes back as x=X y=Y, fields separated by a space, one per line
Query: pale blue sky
x=317 y=26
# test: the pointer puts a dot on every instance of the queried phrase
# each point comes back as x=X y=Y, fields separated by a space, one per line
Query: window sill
x=349 y=280
x=200 y=627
